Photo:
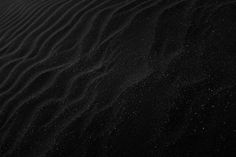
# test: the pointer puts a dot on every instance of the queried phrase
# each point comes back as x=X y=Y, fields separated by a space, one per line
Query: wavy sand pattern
x=104 y=78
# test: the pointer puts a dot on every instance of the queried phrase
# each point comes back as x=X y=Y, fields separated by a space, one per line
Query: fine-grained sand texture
x=117 y=78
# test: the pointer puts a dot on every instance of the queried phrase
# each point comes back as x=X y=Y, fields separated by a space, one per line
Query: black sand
x=117 y=78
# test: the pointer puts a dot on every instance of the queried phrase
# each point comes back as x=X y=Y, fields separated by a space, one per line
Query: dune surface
x=107 y=78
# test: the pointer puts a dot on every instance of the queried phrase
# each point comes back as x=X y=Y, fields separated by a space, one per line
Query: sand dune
x=104 y=78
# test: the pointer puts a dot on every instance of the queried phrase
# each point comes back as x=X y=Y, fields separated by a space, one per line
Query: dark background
x=125 y=78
